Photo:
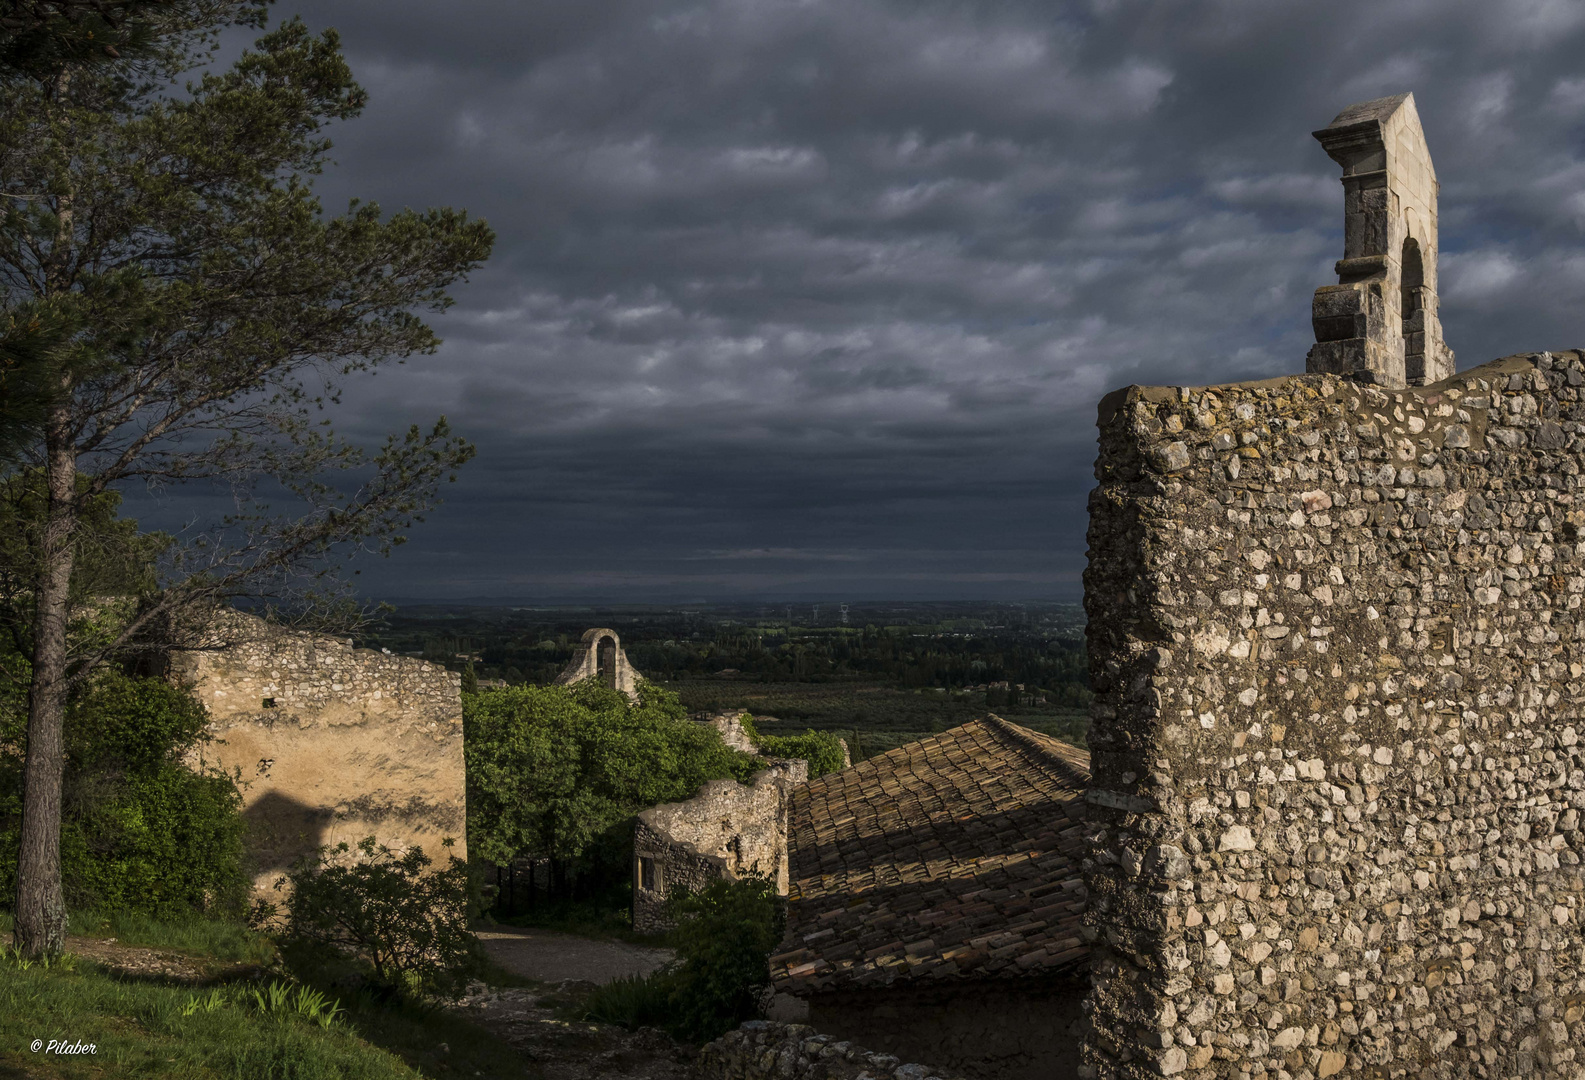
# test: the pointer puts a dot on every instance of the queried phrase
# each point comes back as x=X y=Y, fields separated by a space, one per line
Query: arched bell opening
x=1413 y=311
x=606 y=657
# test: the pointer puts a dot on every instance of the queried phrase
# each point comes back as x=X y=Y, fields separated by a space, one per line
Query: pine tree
x=204 y=309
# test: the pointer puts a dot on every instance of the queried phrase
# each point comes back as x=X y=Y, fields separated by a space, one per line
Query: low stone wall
x=1337 y=644
x=332 y=743
x=765 y=1050
x=1005 y=1029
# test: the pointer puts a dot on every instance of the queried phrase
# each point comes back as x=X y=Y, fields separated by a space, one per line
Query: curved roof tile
x=955 y=856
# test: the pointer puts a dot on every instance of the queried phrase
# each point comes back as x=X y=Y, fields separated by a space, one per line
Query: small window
x=269 y=703
x=646 y=873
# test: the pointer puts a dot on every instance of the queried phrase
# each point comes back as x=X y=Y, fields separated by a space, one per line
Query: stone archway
x=600 y=657
x=1374 y=324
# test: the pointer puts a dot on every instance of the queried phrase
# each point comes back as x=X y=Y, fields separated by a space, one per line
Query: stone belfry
x=1379 y=323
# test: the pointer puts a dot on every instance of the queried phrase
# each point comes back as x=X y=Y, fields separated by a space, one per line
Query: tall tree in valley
x=197 y=311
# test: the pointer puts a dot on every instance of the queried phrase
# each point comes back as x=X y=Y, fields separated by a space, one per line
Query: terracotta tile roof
x=954 y=856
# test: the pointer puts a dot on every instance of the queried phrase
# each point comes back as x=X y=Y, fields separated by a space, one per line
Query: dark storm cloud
x=818 y=297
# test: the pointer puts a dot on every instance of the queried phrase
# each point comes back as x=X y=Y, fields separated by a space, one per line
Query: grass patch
x=145 y=1026
x=198 y=934
x=631 y=1001
x=208 y=937
x=138 y=1029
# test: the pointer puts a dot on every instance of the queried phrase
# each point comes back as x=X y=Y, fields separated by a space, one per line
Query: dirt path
x=142 y=962
x=549 y=957
x=535 y=1022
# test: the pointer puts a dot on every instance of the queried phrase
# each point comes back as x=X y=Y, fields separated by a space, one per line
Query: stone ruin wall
x=767 y=1050
x=333 y=743
x=727 y=830
x=1339 y=661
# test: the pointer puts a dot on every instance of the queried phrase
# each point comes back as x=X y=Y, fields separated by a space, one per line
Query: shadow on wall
x=282 y=830
x=985 y=1029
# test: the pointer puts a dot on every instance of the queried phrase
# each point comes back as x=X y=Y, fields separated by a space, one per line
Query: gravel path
x=553 y=958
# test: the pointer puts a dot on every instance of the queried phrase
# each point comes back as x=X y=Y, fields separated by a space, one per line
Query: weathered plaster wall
x=352 y=742
x=727 y=830
x=988 y=1029
x=1338 y=650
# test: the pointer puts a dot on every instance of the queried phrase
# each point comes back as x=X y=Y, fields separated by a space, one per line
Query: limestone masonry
x=333 y=743
x=1380 y=323
x=763 y=1050
x=599 y=656
x=727 y=830
x=1338 y=652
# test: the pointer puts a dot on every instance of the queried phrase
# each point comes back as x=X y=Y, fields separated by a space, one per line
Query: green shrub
x=724 y=936
x=551 y=769
x=141 y=832
x=405 y=931
x=632 y=1001
x=821 y=749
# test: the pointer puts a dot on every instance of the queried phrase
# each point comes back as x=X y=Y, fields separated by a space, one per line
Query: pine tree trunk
x=40 y=928
x=40 y=919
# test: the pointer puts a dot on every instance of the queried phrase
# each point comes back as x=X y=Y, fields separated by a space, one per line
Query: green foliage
x=821 y=749
x=141 y=832
x=190 y=932
x=147 y=1029
x=113 y=569
x=631 y=1001
x=551 y=769
x=279 y=999
x=724 y=936
x=405 y=928
x=172 y=260
x=39 y=38
x=152 y=1027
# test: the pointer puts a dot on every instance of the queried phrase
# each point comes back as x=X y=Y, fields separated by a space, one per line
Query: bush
x=553 y=768
x=721 y=977
x=632 y=1001
x=404 y=931
x=141 y=832
x=821 y=749
x=724 y=936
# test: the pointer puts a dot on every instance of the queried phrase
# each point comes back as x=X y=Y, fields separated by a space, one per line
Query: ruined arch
x=1368 y=325
x=599 y=656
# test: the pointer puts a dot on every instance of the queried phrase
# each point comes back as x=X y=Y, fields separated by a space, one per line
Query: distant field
x=882 y=716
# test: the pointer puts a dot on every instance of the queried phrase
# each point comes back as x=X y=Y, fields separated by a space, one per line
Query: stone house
x=331 y=743
x=936 y=898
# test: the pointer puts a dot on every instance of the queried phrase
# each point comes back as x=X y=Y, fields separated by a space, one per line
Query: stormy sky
x=816 y=299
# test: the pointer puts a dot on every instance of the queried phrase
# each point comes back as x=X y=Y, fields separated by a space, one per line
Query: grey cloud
x=849 y=278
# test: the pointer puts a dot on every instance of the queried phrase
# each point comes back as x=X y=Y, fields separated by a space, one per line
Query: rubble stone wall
x=1338 y=652
x=1003 y=1029
x=333 y=743
x=727 y=830
x=765 y=1050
